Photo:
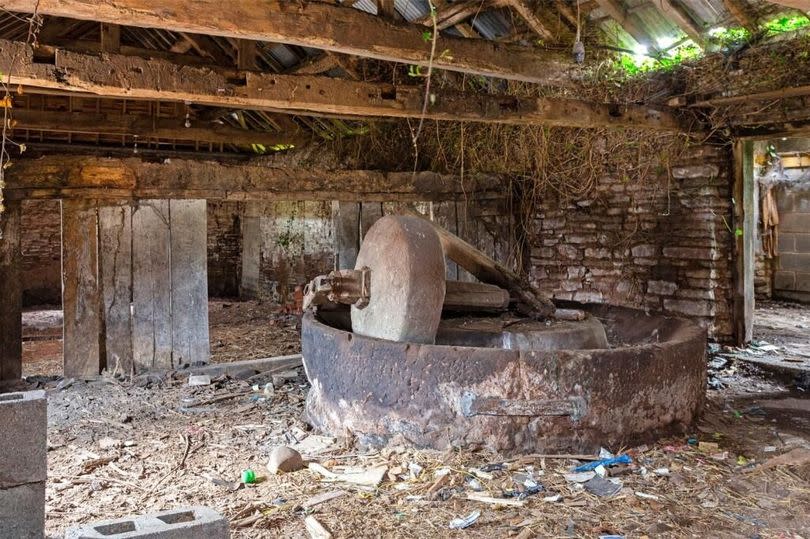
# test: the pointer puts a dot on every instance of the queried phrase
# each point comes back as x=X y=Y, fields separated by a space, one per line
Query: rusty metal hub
x=564 y=395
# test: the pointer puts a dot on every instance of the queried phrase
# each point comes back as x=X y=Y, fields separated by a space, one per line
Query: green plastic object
x=248 y=477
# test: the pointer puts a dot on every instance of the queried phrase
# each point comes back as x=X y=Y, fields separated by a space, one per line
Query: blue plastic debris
x=587 y=467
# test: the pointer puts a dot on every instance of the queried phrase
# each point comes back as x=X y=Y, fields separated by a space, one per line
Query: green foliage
x=786 y=23
x=635 y=64
x=726 y=38
x=261 y=149
x=427 y=36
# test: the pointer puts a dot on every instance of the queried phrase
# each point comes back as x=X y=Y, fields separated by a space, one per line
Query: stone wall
x=224 y=248
x=791 y=278
x=41 y=252
x=664 y=244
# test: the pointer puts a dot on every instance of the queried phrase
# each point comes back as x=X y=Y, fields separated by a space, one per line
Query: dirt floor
x=123 y=447
x=237 y=330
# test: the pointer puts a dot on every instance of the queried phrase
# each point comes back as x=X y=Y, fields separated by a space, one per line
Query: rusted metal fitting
x=346 y=287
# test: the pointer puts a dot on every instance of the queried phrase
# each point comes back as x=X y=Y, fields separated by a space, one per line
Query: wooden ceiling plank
x=681 y=18
x=740 y=14
x=133 y=77
x=319 y=25
x=618 y=13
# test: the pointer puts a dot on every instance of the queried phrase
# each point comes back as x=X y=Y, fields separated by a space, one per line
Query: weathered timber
x=145 y=127
x=189 y=282
x=151 y=286
x=678 y=15
x=61 y=176
x=315 y=24
x=628 y=22
x=462 y=296
x=491 y=271
x=10 y=293
x=801 y=5
x=137 y=78
x=346 y=220
x=81 y=291
x=115 y=267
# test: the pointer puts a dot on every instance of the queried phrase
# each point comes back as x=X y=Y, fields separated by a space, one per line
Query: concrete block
x=22 y=511
x=787 y=243
x=784 y=280
x=803 y=282
x=802 y=243
x=23 y=438
x=794 y=222
x=794 y=261
x=689 y=307
x=183 y=523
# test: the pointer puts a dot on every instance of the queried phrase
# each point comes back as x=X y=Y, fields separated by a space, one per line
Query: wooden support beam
x=146 y=127
x=10 y=293
x=318 y=25
x=680 y=17
x=83 y=339
x=115 y=269
x=739 y=12
x=71 y=177
x=130 y=77
x=346 y=222
x=706 y=101
x=546 y=27
x=618 y=13
x=246 y=54
x=110 y=38
x=801 y=5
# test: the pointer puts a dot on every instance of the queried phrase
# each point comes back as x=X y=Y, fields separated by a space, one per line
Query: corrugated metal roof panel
x=412 y=9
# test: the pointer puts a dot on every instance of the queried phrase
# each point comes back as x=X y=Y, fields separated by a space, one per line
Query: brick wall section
x=792 y=276
x=666 y=249
x=224 y=248
x=41 y=254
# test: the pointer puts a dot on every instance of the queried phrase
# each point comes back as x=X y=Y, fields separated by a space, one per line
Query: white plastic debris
x=605 y=454
x=580 y=477
x=645 y=496
x=466 y=522
x=554 y=498
x=441 y=472
x=199 y=380
x=414 y=470
x=600 y=470
x=664 y=472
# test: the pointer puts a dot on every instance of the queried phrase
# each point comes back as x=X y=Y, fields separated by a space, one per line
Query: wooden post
x=110 y=38
x=744 y=244
x=81 y=294
x=346 y=216
x=189 y=282
x=151 y=286
x=115 y=266
x=10 y=293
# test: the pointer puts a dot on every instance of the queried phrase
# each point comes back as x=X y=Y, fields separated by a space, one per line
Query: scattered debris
x=371 y=477
x=315 y=529
x=323 y=498
x=603 y=487
x=199 y=380
x=610 y=461
x=466 y=522
x=284 y=459
x=474 y=496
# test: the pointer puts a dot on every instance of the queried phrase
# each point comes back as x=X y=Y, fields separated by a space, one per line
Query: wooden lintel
x=146 y=127
x=82 y=177
x=319 y=25
x=137 y=78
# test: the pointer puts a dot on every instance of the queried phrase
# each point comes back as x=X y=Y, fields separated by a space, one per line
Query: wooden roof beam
x=740 y=14
x=137 y=78
x=319 y=25
x=681 y=18
x=145 y=127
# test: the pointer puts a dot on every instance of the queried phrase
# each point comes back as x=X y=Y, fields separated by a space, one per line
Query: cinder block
x=794 y=222
x=23 y=438
x=794 y=261
x=183 y=523
x=22 y=511
x=784 y=280
x=803 y=282
x=803 y=243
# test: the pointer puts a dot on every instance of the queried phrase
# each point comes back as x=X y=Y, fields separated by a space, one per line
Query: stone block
x=644 y=251
x=22 y=511
x=23 y=438
x=689 y=307
x=585 y=296
x=184 y=523
x=661 y=288
x=696 y=171
x=690 y=253
x=568 y=252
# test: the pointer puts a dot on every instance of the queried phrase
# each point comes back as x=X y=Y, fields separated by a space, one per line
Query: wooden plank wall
x=115 y=266
x=10 y=293
x=135 y=290
x=81 y=290
x=189 y=281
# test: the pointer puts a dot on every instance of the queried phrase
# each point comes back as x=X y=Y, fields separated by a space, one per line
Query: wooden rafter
x=136 y=78
x=547 y=27
x=678 y=15
x=313 y=24
x=145 y=127
x=740 y=14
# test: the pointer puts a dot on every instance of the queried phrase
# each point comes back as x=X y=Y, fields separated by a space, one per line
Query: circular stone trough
x=507 y=389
